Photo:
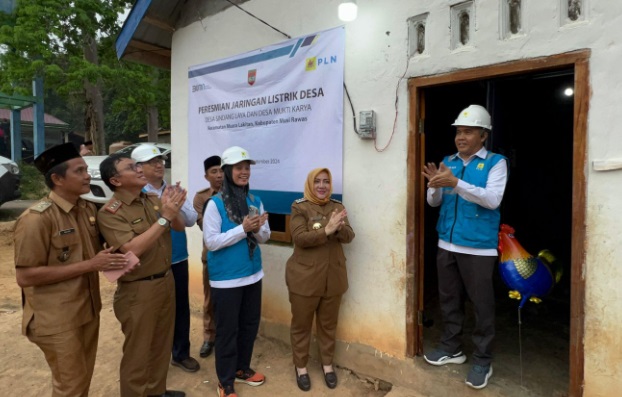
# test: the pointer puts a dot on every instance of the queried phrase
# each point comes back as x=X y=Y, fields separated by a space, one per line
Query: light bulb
x=348 y=11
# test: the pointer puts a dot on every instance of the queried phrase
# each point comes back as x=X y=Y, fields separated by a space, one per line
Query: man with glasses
x=152 y=162
x=144 y=300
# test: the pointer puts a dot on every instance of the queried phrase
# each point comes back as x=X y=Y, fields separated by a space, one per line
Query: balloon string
x=520 y=347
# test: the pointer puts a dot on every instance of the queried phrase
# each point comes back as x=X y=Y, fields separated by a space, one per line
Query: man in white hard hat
x=469 y=187
x=152 y=162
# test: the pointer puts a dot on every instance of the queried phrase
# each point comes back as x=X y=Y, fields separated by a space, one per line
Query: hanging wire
x=520 y=347
x=397 y=98
x=257 y=18
x=352 y=107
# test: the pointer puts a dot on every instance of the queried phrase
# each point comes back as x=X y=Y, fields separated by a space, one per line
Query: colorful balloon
x=528 y=277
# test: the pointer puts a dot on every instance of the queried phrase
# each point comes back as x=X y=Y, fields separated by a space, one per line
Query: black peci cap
x=54 y=156
x=211 y=161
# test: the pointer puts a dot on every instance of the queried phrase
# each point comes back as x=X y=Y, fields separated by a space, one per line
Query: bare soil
x=24 y=372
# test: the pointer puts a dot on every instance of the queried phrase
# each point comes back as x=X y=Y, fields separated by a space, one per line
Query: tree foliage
x=52 y=38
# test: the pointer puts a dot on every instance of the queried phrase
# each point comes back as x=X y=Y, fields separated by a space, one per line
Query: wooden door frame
x=579 y=60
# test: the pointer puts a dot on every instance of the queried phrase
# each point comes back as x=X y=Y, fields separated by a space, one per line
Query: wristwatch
x=163 y=222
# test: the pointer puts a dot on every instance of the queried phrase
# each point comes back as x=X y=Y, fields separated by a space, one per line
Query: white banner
x=283 y=103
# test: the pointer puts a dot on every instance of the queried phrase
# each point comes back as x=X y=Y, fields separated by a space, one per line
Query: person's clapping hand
x=263 y=218
x=429 y=171
x=443 y=178
x=251 y=223
x=336 y=221
x=172 y=198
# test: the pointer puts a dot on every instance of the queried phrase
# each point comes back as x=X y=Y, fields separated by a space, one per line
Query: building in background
x=548 y=73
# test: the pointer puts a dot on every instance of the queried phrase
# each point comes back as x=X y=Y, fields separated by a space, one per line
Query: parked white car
x=9 y=180
x=100 y=193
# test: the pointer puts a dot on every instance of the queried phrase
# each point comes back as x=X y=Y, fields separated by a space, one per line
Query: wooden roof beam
x=153 y=21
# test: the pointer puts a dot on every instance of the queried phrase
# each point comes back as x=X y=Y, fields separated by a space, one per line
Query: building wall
x=373 y=312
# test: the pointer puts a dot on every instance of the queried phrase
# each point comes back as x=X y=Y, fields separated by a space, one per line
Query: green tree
x=71 y=44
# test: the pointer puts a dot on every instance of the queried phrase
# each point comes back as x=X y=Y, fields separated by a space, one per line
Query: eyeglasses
x=154 y=162
x=132 y=167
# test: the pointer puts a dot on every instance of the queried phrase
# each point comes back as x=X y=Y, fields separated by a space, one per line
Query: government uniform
x=61 y=318
x=209 y=329
x=144 y=302
x=316 y=277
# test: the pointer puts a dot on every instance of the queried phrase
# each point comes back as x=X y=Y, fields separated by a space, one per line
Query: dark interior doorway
x=533 y=127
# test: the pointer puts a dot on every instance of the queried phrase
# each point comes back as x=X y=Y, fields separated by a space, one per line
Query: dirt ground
x=24 y=372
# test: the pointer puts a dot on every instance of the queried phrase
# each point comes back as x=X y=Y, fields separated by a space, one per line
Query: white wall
x=373 y=311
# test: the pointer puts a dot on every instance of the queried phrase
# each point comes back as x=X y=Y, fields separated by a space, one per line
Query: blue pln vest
x=464 y=223
x=233 y=262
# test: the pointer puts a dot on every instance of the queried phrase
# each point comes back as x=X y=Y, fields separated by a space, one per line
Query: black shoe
x=189 y=364
x=172 y=393
x=303 y=381
x=206 y=349
x=330 y=378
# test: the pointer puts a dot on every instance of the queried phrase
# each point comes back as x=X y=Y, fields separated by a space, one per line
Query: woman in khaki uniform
x=316 y=273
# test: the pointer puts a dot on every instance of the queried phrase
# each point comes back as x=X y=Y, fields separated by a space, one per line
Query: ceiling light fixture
x=348 y=10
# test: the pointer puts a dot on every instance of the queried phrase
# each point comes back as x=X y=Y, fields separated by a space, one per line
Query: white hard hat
x=234 y=155
x=146 y=152
x=474 y=116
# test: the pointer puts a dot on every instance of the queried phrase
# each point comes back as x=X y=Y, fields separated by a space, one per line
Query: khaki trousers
x=71 y=357
x=326 y=312
x=146 y=311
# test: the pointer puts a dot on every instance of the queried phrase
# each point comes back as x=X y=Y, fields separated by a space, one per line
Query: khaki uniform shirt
x=199 y=201
x=318 y=266
x=55 y=232
x=125 y=217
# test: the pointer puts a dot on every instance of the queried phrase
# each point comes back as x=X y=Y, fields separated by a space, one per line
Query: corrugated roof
x=27 y=116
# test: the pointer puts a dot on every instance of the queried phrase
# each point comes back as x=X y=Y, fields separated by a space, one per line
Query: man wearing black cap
x=214 y=175
x=58 y=273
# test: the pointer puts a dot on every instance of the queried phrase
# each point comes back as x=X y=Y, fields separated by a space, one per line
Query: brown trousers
x=326 y=312
x=71 y=357
x=209 y=328
x=146 y=311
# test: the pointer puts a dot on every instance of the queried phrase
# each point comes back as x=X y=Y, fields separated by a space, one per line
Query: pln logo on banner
x=310 y=64
x=252 y=76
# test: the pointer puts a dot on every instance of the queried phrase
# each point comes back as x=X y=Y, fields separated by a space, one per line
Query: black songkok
x=54 y=156
x=210 y=162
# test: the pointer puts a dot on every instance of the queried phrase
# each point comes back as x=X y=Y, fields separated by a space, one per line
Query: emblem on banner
x=252 y=76
x=310 y=64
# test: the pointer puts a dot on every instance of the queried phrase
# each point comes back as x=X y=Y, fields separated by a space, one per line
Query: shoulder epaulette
x=300 y=200
x=335 y=201
x=113 y=205
x=41 y=206
x=250 y=196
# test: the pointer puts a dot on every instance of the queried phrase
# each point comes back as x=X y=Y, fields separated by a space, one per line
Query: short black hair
x=59 y=169
x=88 y=143
x=108 y=167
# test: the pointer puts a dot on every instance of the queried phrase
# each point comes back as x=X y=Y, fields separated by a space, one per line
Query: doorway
x=541 y=130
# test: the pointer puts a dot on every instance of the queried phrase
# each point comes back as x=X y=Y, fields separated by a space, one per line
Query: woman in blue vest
x=234 y=224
